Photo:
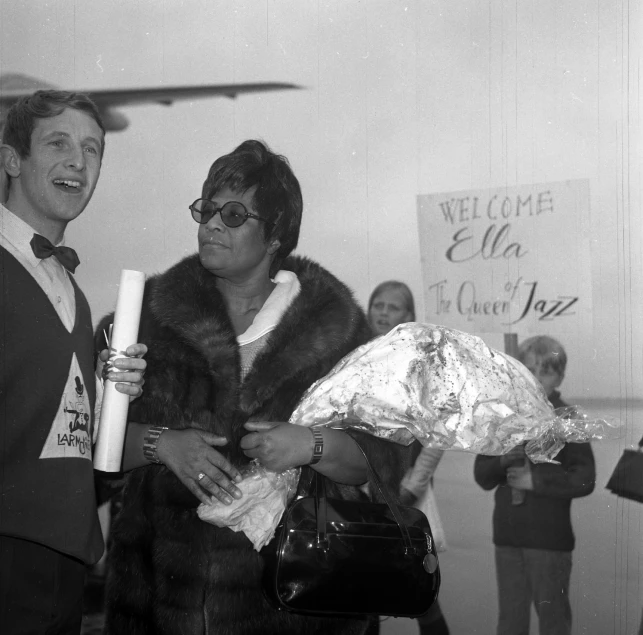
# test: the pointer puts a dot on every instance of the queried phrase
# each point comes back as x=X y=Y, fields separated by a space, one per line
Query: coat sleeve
x=488 y=472
x=418 y=478
x=573 y=477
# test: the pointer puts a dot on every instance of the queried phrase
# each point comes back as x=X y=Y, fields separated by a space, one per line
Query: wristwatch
x=149 y=443
x=318 y=445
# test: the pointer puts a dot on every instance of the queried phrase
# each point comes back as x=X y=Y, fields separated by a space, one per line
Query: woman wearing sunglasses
x=236 y=334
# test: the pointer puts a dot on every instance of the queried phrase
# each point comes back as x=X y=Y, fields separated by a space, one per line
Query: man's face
x=58 y=178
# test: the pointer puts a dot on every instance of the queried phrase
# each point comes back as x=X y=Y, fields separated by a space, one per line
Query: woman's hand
x=201 y=468
x=278 y=445
x=129 y=376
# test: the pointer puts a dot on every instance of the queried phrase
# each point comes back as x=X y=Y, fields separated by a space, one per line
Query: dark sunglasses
x=233 y=213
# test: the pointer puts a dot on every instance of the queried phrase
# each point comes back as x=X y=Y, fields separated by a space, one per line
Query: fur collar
x=323 y=324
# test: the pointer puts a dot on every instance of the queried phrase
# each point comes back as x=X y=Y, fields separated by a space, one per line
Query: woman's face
x=236 y=253
x=388 y=309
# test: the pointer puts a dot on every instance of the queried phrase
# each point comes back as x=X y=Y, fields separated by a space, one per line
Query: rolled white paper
x=108 y=452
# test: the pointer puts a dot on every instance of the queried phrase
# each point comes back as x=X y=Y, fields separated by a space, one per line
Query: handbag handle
x=322 y=513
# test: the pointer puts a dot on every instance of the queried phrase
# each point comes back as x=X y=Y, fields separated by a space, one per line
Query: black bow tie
x=42 y=248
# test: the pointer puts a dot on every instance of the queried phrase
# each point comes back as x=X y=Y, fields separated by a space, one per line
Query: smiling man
x=53 y=178
x=51 y=153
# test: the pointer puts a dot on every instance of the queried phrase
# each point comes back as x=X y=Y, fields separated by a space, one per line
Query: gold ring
x=200 y=477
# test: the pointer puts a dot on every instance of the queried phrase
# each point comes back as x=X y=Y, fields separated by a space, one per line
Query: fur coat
x=169 y=572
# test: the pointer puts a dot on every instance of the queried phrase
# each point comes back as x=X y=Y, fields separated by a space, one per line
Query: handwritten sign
x=507 y=259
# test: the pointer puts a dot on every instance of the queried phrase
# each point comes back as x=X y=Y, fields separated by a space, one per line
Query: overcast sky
x=398 y=100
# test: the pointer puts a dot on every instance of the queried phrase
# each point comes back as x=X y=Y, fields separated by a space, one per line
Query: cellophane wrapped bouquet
x=443 y=387
x=448 y=390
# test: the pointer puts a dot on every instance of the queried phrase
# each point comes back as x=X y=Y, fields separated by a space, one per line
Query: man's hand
x=129 y=370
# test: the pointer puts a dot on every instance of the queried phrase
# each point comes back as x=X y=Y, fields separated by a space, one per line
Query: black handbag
x=627 y=479
x=336 y=557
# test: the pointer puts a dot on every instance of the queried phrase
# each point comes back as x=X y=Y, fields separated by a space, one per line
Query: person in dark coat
x=236 y=334
x=533 y=532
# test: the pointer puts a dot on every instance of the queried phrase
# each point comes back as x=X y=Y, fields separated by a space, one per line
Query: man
x=52 y=150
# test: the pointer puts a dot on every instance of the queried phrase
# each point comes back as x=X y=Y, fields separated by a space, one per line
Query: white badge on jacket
x=70 y=434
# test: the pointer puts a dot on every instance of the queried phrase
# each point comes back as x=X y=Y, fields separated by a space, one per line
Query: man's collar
x=19 y=234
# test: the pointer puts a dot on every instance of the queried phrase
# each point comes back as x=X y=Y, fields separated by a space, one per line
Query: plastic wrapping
x=257 y=513
x=447 y=389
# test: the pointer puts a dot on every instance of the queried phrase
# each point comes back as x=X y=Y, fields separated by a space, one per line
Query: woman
x=390 y=304
x=236 y=334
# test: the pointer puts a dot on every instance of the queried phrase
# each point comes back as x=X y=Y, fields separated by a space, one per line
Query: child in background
x=534 y=539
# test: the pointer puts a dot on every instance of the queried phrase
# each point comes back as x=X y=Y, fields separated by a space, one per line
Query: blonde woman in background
x=390 y=304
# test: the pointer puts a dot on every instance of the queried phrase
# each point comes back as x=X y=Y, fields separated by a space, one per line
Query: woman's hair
x=548 y=351
x=277 y=197
x=43 y=104
x=398 y=286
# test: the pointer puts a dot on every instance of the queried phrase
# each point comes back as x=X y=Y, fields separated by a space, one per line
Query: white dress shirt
x=51 y=276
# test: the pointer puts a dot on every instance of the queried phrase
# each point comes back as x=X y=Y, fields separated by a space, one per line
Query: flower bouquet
x=448 y=390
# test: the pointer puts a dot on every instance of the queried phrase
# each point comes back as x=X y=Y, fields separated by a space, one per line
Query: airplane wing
x=167 y=96
x=15 y=86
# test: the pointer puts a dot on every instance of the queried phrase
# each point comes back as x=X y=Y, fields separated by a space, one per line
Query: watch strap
x=318 y=445
x=149 y=443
